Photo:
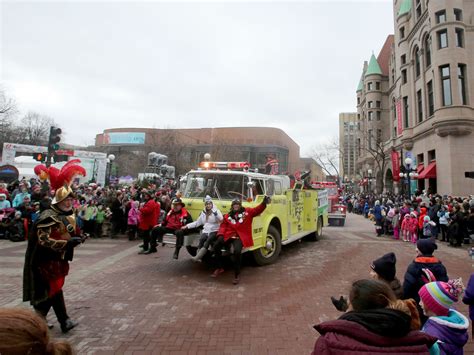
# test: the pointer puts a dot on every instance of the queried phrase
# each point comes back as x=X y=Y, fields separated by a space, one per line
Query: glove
x=74 y=242
x=340 y=304
x=214 y=213
x=267 y=200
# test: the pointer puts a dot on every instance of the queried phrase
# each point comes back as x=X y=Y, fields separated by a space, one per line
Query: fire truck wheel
x=191 y=250
x=319 y=231
x=269 y=253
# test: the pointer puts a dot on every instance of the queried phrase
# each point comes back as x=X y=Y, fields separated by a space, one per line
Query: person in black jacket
x=425 y=268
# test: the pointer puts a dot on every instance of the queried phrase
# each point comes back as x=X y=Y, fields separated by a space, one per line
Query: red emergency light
x=224 y=165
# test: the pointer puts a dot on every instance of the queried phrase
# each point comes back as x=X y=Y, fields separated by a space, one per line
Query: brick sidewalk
x=136 y=304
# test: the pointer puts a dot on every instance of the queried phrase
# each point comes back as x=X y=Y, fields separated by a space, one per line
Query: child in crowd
x=396 y=223
x=406 y=227
x=133 y=215
x=444 y=323
x=428 y=226
x=413 y=228
x=99 y=220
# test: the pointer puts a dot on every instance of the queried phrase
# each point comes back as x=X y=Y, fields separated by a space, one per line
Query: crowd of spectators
x=100 y=211
x=447 y=218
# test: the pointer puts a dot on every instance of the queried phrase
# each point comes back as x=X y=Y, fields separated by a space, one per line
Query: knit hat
x=385 y=266
x=426 y=218
x=439 y=296
x=426 y=246
x=207 y=199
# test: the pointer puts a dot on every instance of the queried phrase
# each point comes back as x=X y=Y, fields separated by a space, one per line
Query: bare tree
x=34 y=129
x=327 y=156
x=375 y=148
x=8 y=111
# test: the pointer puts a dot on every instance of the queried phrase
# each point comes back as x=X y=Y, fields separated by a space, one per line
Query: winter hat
x=439 y=296
x=426 y=219
x=385 y=266
x=426 y=246
x=3 y=195
x=207 y=199
x=413 y=214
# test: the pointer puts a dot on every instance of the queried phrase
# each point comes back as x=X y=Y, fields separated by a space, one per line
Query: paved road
x=135 y=304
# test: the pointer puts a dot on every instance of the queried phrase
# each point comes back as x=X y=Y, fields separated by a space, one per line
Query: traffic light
x=41 y=157
x=54 y=139
x=58 y=158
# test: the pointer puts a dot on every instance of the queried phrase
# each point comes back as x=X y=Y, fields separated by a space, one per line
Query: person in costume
x=51 y=246
x=236 y=231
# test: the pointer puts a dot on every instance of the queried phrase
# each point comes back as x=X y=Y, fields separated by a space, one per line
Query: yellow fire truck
x=294 y=212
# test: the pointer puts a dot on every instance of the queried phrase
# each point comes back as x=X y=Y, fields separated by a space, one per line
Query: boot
x=236 y=280
x=176 y=252
x=68 y=325
x=149 y=251
x=200 y=254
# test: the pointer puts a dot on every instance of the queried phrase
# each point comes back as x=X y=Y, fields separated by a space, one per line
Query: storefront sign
x=124 y=138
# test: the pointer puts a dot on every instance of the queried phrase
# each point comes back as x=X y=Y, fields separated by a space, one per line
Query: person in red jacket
x=148 y=218
x=236 y=231
x=175 y=219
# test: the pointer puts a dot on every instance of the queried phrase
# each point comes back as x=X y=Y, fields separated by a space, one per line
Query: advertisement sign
x=124 y=138
x=395 y=156
x=399 y=117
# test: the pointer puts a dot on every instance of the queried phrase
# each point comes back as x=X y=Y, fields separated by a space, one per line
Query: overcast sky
x=97 y=65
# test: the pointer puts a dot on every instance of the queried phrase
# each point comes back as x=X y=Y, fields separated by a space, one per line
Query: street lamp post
x=369 y=180
x=409 y=174
x=110 y=161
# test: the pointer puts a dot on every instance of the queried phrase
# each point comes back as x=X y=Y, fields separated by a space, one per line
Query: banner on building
x=399 y=117
x=395 y=156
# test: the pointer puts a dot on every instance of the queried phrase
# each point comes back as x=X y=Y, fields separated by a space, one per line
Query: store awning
x=420 y=168
x=429 y=172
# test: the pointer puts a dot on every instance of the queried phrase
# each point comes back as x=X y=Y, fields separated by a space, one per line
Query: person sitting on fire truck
x=211 y=218
x=175 y=219
x=236 y=231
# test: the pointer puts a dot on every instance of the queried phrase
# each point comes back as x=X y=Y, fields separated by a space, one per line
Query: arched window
x=417 y=62
x=427 y=51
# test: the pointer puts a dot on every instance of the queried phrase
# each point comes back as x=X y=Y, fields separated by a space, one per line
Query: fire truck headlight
x=341 y=209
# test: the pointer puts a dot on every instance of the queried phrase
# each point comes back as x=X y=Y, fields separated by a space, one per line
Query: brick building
x=185 y=148
x=415 y=100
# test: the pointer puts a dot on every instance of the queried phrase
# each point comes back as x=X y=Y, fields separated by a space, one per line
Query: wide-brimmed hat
x=61 y=194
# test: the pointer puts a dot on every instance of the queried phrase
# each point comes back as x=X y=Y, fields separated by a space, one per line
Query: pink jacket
x=133 y=216
x=413 y=226
x=406 y=223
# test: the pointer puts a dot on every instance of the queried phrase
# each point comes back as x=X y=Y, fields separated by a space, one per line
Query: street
x=142 y=304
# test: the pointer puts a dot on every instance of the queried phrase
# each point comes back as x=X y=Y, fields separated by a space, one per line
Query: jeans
x=236 y=256
x=207 y=239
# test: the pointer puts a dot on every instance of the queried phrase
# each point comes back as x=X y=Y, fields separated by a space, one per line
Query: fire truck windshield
x=218 y=186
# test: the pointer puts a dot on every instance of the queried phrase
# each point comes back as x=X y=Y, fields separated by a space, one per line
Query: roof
x=405 y=7
x=374 y=67
x=384 y=56
x=361 y=83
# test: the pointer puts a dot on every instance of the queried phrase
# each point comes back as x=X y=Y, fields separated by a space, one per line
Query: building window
x=429 y=87
x=369 y=104
x=431 y=155
x=377 y=85
x=446 y=85
x=418 y=9
x=428 y=51
x=405 y=111
x=377 y=104
x=402 y=32
x=462 y=83
x=358 y=116
x=370 y=139
x=458 y=14
x=370 y=116
x=358 y=146
x=441 y=16
x=379 y=136
x=369 y=86
x=403 y=59
x=459 y=37
x=442 y=39
x=358 y=101
x=419 y=103
x=404 y=76
x=378 y=115
x=417 y=63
